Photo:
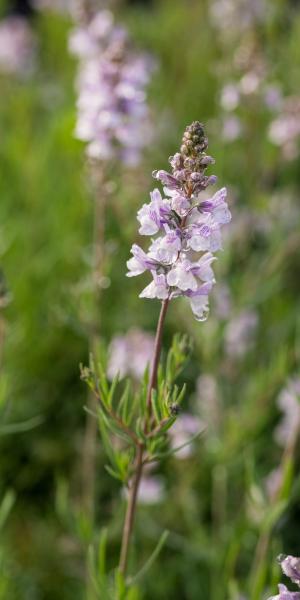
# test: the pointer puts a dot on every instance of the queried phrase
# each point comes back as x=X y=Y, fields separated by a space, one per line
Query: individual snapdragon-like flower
x=291 y=567
x=130 y=354
x=113 y=117
x=187 y=226
x=17 y=46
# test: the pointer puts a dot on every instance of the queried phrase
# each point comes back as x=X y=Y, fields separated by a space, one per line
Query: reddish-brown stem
x=156 y=356
x=139 y=462
x=130 y=512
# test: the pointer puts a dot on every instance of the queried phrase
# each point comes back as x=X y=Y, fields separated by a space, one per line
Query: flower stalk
x=140 y=448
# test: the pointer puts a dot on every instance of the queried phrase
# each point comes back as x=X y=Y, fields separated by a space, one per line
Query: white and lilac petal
x=158 y=288
x=202 y=268
x=166 y=248
x=140 y=262
x=182 y=277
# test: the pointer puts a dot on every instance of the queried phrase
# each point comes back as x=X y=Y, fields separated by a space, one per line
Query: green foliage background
x=216 y=507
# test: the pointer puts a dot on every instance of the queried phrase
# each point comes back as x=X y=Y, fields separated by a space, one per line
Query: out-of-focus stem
x=91 y=427
x=140 y=448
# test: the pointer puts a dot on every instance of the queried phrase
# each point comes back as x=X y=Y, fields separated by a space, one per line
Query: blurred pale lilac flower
x=249 y=83
x=232 y=128
x=239 y=333
x=187 y=224
x=284 y=130
x=17 y=46
x=182 y=431
x=113 y=116
x=151 y=490
x=208 y=400
x=289 y=403
x=130 y=354
x=273 y=97
x=222 y=301
x=230 y=96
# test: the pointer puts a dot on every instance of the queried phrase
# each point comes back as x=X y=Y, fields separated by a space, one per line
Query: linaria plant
x=112 y=120
x=179 y=259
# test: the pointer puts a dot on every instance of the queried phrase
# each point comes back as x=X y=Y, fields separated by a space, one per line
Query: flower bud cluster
x=188 y=225
x=113 y=115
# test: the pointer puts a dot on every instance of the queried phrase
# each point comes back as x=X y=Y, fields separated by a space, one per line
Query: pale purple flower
x=130 y=354
x=285 y=594
x=185 y=428
x=185 y=274
x=199 y=301
x=232 y=128
x=230 y=96
x=273 y=97
x=151 y=490
x=167 y=247
x=222 y=301
x=291 y=567
x=289 y=404
x=140 y=262
x=187 y=224
x=152 y=216
x=158 y=288
x=113 y=117
x=284 y=130
x=17 y=46
x=208 y=401
x=239 y=333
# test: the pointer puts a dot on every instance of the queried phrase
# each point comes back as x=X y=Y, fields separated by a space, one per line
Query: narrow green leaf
x=161 y=542
x=112 y=390
x=123 y=406
x=113 y=473
x=156 y=406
